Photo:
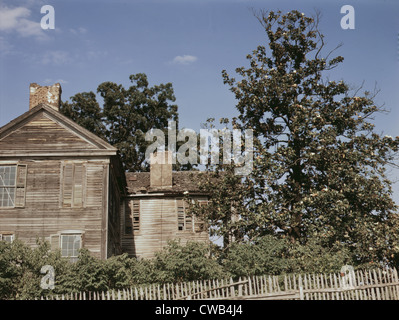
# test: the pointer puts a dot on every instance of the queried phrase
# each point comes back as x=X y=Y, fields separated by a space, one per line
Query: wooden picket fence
x=359 y=285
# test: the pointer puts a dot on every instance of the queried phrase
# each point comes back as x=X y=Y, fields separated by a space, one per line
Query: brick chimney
x=50 y=95
x=161 y=170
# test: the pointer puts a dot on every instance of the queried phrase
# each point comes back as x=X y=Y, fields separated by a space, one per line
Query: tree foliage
x=20 y=267
x=319 y=166
x=125 y=116
x=275 y=256
x=188 y=262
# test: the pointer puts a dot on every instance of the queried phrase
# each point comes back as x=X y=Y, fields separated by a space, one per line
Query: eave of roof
x=182 y=181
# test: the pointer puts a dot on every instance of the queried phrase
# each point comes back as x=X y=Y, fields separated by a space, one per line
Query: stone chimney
x=161 y=170
x=50 y=95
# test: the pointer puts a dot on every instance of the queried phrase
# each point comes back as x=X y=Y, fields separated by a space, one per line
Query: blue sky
x=187 y=43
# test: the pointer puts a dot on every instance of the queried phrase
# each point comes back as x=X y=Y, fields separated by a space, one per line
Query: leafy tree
x=266 y=256
x=271 y=255
x=315 y=257
x=225 y=212
x=125 y=116
x=319 y=166
x=85 y=111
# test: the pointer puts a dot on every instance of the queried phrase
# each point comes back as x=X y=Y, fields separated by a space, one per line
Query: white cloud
x=79 y=30
x=5 y=46
x=186 y=59
x=56 y=57
x=50 y=81
x=16 y=20
x=94 y=55
x=9 y=18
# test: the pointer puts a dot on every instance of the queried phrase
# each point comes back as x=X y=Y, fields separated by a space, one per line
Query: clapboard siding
x=45 y=133
x=66 y=185
x=158 y=225
x=75 y=181
x=43 y=214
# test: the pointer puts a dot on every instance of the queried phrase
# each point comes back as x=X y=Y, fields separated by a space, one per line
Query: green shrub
x=20 y=265
x=274 y=256
x=266 y=256
x=177 y=263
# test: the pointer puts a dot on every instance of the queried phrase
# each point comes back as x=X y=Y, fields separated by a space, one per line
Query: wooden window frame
x=199 y=224
x=185 y=222
x=19 y=186
x=7 y=234
x=56 y=241
x=73 y=252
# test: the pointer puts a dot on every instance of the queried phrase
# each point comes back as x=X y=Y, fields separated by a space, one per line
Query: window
x=68 y=242
x=184 y=221
x=7 y=185
x=199 y=224
x=188 y=222
x=12 y=186
x=73 y=184
x=70 y=245
x=7 y=237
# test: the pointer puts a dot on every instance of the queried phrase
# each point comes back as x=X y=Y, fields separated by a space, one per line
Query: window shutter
x=55 y=241
x=180 y=215
x=67 y=176
x=128 y=217
x=82 y=240
x=73 y=185
x=20 y=194
x=136 y=215
x=78 y=185
x=132 y=216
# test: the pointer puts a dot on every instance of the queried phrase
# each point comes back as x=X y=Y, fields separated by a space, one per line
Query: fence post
x=250 y=286
x=239 y=288
x=395 y=279
x=232 y=291
x=301 y=297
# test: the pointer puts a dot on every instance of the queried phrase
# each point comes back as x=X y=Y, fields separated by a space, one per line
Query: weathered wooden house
x=155 y=210
x=61 y=183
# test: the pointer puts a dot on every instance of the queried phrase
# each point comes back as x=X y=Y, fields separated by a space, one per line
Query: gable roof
x=43 y=131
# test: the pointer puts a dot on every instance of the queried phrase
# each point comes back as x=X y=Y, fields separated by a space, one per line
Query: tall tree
x=85 y=111
x=126 y=115
x=319 y=166
x=227 y=211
